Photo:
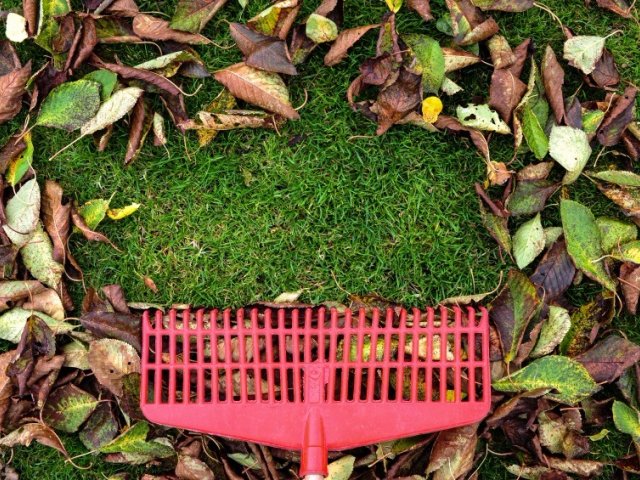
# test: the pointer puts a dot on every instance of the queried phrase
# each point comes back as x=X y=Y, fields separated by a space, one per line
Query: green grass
x=257 y=213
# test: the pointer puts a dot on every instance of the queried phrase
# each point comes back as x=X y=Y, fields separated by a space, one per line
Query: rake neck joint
x=314 y=448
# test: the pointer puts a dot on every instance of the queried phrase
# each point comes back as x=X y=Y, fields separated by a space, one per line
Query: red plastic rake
x=313 y=379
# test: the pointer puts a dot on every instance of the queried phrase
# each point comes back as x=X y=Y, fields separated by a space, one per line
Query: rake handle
x=314 y=457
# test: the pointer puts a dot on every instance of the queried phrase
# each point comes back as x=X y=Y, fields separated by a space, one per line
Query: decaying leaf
x=192 y=16
x=528 y=242
x=570 y=148
x=13 y=80
x=111 y=360
x=70 y=105
x=453 y=452
x=609 y=358
x=345 y=40
x=116 y=107
x=22 y=213
x=553 y=77
x=153 y=28
x=583 y=52
x=553 y=330
x=29 y=432
x=68 y=407
x=482 y=118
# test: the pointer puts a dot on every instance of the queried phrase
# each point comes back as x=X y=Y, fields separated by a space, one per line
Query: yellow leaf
x=431 y=108
x=394 y=5
x=120 y=213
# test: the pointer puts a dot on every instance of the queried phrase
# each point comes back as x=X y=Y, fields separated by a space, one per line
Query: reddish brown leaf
x=14 y=147
x=346 y=39
x=397 y=100
x=89 y=234
x=609 y=358
x=630 y=280
x=56 y=217
x=553 y=77
x=88 y=41
x=121 y=326
x=146 y=76
x=521 y=53
x=453 y=452
x=13 y=79
x=446 y=122
x=140 y=126
x=621 y=7
x=30 y=13
x=388 y=38
x=505 y=93
x=606 y=74
x=115 y=296
x=111 y=360
x=261 y=51
x=422 y=8
x=150 y=284
x=555 y=272
x=152 y=28
x=618 y=118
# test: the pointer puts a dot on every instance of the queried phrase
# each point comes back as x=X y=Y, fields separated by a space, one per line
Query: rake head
x=314 y=379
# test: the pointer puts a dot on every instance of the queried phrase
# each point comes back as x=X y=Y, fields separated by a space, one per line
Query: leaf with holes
x=111 y=360
x=482 y=118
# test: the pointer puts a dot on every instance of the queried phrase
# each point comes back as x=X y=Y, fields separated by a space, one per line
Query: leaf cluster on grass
x=559 y=373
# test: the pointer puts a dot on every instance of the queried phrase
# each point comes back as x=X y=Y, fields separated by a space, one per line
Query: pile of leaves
x=561 y=374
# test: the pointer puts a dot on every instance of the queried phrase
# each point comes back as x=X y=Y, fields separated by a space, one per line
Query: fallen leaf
x=125 y=327
x=618 y=118
x=344 y=41
x=13 y=80
x=618 y=177
x=134 y=440
x=153 y=28
x=553 y=77
x=506 y=92
x=630 y=280
x=583 y=52
x=16 y=28
x=100 y=429
x=111 y=360
x=528 y=242
x=152 y=80
x=395 y=101
x=620 y=7
x=193 y=15
x=139 y=127
x=22 y=213
x=57 y=219
x=277 y=19
x=501 y=54
x=553 y=331
x=530 y=197
x=321 y=29
x=116 y=107
x=430 y=61
x=12 y=323
x=422 y=8
x=29 y=432
x=457 y=58
x=453 y=452
x=482 y=118
x=606 y=73
x=47 y=301
x=123 y=212
x=629 y=252
x=583 y=242
x=512 y=310
x=554 y=273
x=570 y=148
x=498 y=229
x=614 y=232
x=567 y=380
x=265 y=89
x=191 y=468
x=159 y=135
x=504 y=5
x=582 y=468
x=37 y=255
x=150 y=284
x=626 y=419
x=341 y=469
x=94 y=211
x=609 y=358
x=68 y=407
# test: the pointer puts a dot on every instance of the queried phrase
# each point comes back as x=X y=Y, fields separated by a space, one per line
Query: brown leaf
x=30 y=13
x=553 y=77
x=453 y=452
x=397 y=100
x=501 y=54
x=606 y=73
x=621 y=7
x=388 y=38
x=29 y=432
x=111 y=360
x=582 y=468
x=535 y=171
x=150 y=284
x=14 y=147
x=618 y=118
x=265 y=89
x=521 y=53
x=505 y=93
x=505 y=5
x=140 y=125
x=628 y=199
x=285 y=16
x=56 y=217
x=115 y=29
x=6 y=386
x=190 y=468
x=13 y=79
x=609 y=358
x=235 y=119
x=585 y=324
x=446 y=122
x=115 y=296
x=152 y=28
x=193 y=15
x=89 y=234
x=630 y=280
x=346 y=39
x=555 y=272
x=261 y=51
x=146 y=76
x=125 y=327
x=422 y=8
x=87 y=41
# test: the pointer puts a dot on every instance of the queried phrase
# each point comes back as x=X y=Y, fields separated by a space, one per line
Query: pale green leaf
x=551 y=234
x=614 y=232
x=37 y=256
x=245 y=459
x=76 y=355
x=134 y=440
x=70 y=105
x=107 y=80
x=94 y=211
x=629 y=252
x=12 y=323
x=19 y=165
x=528 y=242
x=583 y=52
x=116 y=107
x=552 y=332
x=626 y=419
x=568 y=379
x=68 y=407
x=534 y=133
x=22 y=213
x=341 y=469
x=570 y=148
x=583 y=241
x=321 y=29
x=482 y=117
x=618 y=177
